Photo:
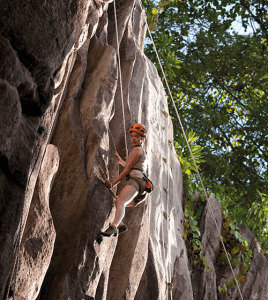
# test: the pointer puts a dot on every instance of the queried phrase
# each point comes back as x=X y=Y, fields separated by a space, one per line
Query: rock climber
x=134 y=189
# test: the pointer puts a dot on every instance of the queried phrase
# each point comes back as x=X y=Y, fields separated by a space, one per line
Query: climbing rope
x=17 y=260
x=120 y=80
x=182 y=128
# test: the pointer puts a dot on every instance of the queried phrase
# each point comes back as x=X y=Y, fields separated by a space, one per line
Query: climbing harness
x=120 y=80
x=148 y=188
x=149 y=185
x=199 y=176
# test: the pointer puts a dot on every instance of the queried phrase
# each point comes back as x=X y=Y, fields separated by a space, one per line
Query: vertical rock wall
x=89 y=128
x=39 y=235
x=35 y=38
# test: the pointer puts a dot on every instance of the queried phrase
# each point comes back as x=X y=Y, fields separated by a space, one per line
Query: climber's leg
x=126 y=196
x=132 y=203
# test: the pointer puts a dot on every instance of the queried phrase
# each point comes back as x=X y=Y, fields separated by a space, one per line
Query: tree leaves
x=184 y=154
x=218 y=79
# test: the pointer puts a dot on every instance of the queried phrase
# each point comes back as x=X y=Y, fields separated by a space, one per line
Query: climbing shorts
x=137 y=180
x=138 y=183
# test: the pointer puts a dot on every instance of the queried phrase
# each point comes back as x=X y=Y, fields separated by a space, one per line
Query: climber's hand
x=117 y=156
x=108 y=183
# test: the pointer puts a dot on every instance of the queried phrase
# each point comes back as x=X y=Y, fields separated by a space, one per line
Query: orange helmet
x=139 y=128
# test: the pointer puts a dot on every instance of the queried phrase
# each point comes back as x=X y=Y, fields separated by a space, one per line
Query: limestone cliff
x=59 y=72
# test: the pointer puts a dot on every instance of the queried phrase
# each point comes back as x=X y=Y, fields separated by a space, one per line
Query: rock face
x=70 y=48
x=35 y=38
x=255 y=286
x=205 y=283
x=39 y=234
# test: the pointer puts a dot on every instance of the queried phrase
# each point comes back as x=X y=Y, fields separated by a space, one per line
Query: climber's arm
x=133 y=157
x=120 y=160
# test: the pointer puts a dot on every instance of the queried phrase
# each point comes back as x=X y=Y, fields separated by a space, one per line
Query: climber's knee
x=120 y=201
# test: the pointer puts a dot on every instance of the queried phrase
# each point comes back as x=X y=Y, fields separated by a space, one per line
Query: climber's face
x=135 y=139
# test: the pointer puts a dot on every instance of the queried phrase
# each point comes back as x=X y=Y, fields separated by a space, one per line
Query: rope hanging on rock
x=120 y=80
x=199 y=176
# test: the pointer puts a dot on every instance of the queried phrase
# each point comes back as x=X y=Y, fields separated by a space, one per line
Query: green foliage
x=184 y=153
x=170 y=286
x=223 y=290
x=237 y=245
x=218 y=78
x=232 y=284
x=239 y=254
x=257 y=220
x=191 y=231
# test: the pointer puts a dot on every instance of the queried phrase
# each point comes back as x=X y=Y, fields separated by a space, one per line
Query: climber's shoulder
x=135 y=151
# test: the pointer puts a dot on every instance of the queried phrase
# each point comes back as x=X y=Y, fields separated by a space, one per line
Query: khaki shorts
x=139 y=184
x=141 y=196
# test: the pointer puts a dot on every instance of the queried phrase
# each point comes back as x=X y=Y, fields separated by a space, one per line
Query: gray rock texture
x=59 y=70
x=205 y=282
x=255 y=285
x=39 y=235
x=35 y=39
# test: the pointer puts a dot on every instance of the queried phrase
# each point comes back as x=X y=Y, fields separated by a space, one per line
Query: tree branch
x=259 y=21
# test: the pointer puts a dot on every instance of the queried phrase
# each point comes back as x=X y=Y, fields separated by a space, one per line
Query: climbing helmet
x=139 y=128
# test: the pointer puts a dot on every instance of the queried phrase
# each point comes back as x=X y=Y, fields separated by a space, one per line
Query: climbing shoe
x=122 y=229
x=110 y=231
x=99 y=239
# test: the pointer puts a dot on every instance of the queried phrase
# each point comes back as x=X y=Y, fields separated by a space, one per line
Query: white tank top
x=139 y=164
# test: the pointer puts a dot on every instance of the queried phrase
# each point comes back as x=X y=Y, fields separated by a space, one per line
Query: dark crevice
x=25 y=58
x=34 y=101
x=5 y=168
x=35 y=97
